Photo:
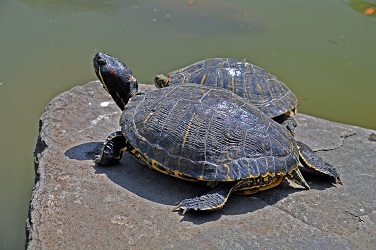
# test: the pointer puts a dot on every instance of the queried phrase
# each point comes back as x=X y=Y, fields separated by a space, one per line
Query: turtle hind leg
x=311 y=161
x=215 y=199
x=112 y=149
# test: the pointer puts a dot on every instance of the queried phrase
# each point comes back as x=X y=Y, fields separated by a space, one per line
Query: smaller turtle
x=202 y=134
x=249 y=81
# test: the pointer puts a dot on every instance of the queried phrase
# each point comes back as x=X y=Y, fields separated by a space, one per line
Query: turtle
x=261 y=88
x=198 y=133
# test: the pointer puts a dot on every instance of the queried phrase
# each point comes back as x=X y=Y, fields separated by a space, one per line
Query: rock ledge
x=78 y=205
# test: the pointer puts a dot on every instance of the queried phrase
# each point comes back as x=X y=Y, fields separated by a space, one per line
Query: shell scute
x=206 y=133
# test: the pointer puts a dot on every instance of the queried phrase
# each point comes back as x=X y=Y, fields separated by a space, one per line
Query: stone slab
x=78 y=205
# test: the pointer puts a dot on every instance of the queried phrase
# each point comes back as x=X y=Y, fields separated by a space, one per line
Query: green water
x=324 y=50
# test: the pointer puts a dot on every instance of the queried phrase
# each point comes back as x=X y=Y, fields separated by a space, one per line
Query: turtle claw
x=178 y=207
x=97 y=158
x=184 y=210
x=184 y=206
x=338 y=180
x=189 y=204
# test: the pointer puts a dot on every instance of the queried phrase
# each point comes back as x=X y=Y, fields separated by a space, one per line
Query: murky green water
x=324 y=50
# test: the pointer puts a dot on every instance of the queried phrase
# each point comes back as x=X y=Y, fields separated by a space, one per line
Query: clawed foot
x=112 y=150
x=215 y=199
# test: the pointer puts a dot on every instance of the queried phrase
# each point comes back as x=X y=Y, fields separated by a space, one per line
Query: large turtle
x=198 y=133
x=261 y=88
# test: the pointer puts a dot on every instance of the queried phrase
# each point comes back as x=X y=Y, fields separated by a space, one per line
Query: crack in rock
x=344 y=137
x=356 y=216
x=325 y=136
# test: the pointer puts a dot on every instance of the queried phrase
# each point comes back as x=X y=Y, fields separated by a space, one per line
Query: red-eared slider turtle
x=198 y=133
x=261 y=88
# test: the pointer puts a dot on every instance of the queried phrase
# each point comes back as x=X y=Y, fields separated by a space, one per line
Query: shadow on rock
x=85 y=151
x=160 y=188
x=147 y=183
x=316 y=180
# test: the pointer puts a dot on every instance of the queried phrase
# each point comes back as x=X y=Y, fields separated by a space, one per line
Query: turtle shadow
x=136 y=177
x=154 y=186
x=163 y=189
x=149 y=184
x=157 y=187
x=84 y=151
x=317 y=181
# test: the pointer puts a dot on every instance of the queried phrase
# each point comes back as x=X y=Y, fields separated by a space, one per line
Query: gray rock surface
x=78 y=205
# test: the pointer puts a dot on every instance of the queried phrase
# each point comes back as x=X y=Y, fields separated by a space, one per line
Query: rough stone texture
x=78 y=205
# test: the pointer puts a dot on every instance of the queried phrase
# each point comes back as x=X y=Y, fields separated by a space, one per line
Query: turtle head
x=117 y=79
x=161 y=81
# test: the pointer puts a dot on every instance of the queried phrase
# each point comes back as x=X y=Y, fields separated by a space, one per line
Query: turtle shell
x=261 y=88
x=210 y=134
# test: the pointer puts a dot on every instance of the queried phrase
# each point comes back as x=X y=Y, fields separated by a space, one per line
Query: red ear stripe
x=113 y=72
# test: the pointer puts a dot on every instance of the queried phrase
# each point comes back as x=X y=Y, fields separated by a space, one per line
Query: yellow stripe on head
x=101 y=78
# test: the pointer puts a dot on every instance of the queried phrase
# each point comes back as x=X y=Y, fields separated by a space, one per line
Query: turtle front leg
x=112 y=150
x=215 y=199
x=311 y=161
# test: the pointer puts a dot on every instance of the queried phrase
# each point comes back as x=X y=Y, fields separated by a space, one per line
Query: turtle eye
x=101 y=61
